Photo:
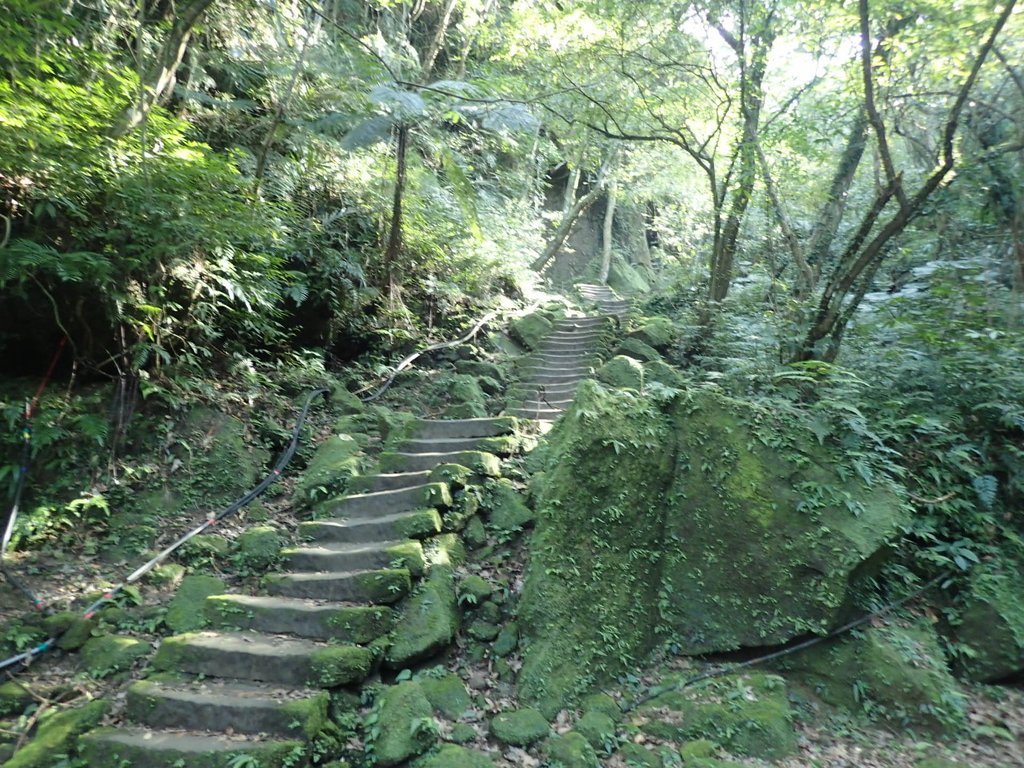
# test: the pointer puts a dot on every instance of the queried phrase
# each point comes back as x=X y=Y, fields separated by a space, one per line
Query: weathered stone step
x=388 y=482
x=452 y=428
x=578 y=334
x=547 y=358
x=539 y=414
x=214 y=705
x=418 y=524
x=267 y=658
x=533 y=405
x=478 y=461
x=542 y=393
x=561 y=367
x=317 y=620
x=378 y=587
x=536 y=379
x=356 y=557
x=448 y=444
x=387 y=502
x=143 y=748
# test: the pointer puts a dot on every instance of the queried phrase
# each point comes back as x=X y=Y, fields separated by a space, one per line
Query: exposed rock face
x=699 y=520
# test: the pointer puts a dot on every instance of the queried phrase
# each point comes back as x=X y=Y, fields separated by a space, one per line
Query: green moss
x=336 y=460
x=663 y=373
x=428 y=622
x=530 y=330
x=481 y=368
x=597 y=728
x=636 y=756
x=385 y=585
x=417 y=525
x=362 y=624
x=466 y=400
x=507 y=640
x=474 y=534
x=462 y=733
x=571 y=750
x=447 y=695
x=656 y=332
x=638 y=350
x=403 y=709
x=186 y=611
x=520 y=728
x=625 y=279
x=206 y=547
x=893 y=673
x=167 y=575
x=446 y=550
x=747 y=714
x=265 y=754
x=455 y=475
x=704 y=520
x=939 y=762
x=408 y=555
x=339 y=665
x=111 y=654
x=14 y=697
x=258 y=548
x=474 y=589
x=451 y=756
x=623 y=372
x=990 y=621
x=57 y=735
x=603 y=704
x=505 y=507
x=344 y=402
x=72 y=629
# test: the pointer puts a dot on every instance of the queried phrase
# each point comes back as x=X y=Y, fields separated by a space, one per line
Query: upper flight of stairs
x=565 y=358
x=255 y=681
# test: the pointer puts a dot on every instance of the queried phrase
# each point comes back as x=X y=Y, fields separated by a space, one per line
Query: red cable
x=30 y=411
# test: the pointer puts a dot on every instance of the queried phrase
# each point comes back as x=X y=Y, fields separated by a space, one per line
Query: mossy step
x=267 y=658
x=451 y=428
x=212 y=705
x=547 y=402
x=540 y=414
x=304 y=618
x=553 y=378
x=478 y=461
x=143 y=748
x=418 y=524
x=378 y=587
x=560 y=389
x=356 y=557
x=449 y=444
x=388 y=502
x=387 y=482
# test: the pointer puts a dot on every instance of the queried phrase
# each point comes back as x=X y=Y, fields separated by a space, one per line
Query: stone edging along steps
x=256 y=682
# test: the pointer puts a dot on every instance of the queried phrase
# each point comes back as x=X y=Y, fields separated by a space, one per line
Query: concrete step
x=317 y=620
x=143 y=748
x=215 y=705
x=418 y=524
x=533 y=405
x=388 y=482
x=447 y=445
x=538 y=414
x=377 y=587
x=404 y=461
x=579 y=334
x=266 y=658
x=355 y=557
x=388 y=502
x=535 y=379
x=575 y=356
x=452 y=428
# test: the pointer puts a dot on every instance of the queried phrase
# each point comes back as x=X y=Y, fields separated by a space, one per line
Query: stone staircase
x=254 y=684
x=552 y=373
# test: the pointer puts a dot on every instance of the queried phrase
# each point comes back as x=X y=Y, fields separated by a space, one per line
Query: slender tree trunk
x=606 y=241
x=159 y=81
x=565 y=227
x=394 y=246
x=430 y=57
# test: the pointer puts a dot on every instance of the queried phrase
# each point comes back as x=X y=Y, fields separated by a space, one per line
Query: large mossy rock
x=335 y=462
x=747 y=714
x=990 y=621
x=429 y=620
x=531 y=329
x=185 y=612
x=622 y=371
x=625 y=279
x=656 y=332
x=403 y=710
x=893 y=673
x=673 y=519
x=57 y=734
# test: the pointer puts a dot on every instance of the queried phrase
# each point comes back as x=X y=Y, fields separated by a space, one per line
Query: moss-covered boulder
x=71 y=629
x=530 y=330
x=505 y=507
x=520 y=727
x=452 y=756
x=746 y=714
x=186 y=611
x=112 y=654
x=597 y=728
x=571 y=750
x=336 y=460
x=447 y=695
x=258 y=548
x=481 y=369
x=698 y=517
x=429 y=620
x=466 y=400
x=622 y=371
x=625 y=279
x=656 y=332
x=663 y=373
x=57 y=734
x=894 y=673
x=990 y=621
x=403 y=717
x=637 y=350
x=344 y=402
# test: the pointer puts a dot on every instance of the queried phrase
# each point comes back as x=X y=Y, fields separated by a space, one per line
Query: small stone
x=597 y=728
x=111 y=654
x=507 y=640
x=483 y=630
x=572 y=751
x=402 y=710
x=451 y=756
x=463 y=733
x=474 y=590
x=520 y=728
x=447 y=695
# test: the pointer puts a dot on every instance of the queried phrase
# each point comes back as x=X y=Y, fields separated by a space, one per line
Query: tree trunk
x=606 y=242
x=159 y=81
x=394 y=247
x=566 y=225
